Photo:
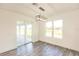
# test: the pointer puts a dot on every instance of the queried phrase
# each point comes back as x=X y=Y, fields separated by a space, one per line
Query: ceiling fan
x=39 y=17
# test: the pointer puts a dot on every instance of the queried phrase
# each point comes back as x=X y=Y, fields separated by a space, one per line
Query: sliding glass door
x=24 y=33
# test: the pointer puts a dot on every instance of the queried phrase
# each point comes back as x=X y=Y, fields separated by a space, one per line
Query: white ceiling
x=30 y=10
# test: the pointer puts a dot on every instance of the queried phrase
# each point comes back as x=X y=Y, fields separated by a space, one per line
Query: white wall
x=70 y=30
x=8 y=29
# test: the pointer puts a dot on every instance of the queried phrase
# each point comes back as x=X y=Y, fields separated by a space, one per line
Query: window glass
x=58 y=28
x=48 y=32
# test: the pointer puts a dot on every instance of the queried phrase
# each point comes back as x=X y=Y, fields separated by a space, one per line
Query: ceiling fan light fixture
x=40 y=18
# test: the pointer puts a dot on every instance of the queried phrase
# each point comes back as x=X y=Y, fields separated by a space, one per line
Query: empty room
x=39 y=29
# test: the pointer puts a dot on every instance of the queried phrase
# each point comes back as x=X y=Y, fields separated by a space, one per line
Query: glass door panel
x=29 y=32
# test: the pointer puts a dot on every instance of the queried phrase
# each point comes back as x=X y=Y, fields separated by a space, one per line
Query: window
x=48 y=32
x=58 y=28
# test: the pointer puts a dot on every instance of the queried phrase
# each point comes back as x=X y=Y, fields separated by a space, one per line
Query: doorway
x=24 y=33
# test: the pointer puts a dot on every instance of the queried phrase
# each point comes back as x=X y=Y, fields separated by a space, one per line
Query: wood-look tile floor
x=40 y=49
